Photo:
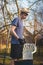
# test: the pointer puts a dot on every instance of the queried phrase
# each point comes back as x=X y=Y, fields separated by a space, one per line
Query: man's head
x=23 y=13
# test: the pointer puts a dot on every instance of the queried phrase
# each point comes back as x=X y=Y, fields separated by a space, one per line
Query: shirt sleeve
x=14 y=22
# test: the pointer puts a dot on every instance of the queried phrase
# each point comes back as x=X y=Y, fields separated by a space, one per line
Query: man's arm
x=13 y=32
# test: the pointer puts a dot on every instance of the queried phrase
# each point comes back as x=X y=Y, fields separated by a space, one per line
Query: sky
x=36 y=8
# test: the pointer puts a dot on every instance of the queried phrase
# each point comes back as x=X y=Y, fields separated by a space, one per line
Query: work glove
x=22 y=41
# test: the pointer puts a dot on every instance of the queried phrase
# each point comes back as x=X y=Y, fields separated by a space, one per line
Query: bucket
x=28 y=50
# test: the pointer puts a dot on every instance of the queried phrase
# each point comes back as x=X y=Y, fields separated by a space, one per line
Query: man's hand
x=22 y=41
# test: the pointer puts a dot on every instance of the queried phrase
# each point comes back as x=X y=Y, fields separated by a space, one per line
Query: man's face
x=24 y=16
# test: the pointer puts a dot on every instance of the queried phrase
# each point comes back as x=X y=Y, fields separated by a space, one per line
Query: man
x=17 y=40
